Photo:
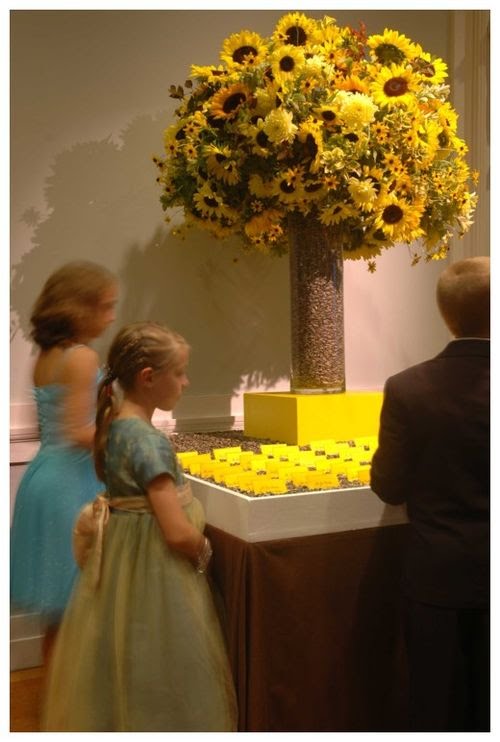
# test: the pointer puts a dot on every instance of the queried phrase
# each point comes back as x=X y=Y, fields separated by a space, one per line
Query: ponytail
x=107 y=408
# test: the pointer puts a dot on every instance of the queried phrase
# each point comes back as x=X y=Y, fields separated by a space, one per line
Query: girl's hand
x=179 y=533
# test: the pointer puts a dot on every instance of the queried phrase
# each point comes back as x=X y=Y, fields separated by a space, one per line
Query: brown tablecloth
x=314 y=629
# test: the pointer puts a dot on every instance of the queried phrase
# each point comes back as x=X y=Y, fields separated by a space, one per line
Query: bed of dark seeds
x=206 y=442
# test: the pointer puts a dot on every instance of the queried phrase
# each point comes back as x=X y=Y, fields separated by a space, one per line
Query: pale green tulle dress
x=143 y=651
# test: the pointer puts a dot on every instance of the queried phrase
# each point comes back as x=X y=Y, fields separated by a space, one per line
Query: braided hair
x=137 y=346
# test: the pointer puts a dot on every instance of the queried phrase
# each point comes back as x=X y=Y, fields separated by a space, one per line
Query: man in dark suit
x=434 y=455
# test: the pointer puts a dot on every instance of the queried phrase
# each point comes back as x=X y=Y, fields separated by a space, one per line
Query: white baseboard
x=25 y=641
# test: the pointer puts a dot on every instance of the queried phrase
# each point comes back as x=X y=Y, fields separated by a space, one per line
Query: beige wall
x=89 y=102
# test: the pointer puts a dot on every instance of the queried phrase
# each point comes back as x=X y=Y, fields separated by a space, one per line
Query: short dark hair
x=463 y=297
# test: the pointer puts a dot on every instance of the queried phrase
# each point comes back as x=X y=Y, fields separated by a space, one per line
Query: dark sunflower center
x=425 y=68
x=443 y=139
x=287 y=64
x=211 y=202
x=296 y=35
x=220 y=157
x=312 y=187
x=287 y=187
x=389 y=53
x=395 y=86
x=233 y=101
x=328 y=116
x=311 y=146
x=242 y=52
x=392 y=214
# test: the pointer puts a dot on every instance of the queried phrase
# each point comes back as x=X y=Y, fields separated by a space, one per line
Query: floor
x=25 y=699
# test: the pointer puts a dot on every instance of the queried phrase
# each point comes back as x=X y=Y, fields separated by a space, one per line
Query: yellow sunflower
x=309 y=135
x=208 y=202
x=399 y=219
x=227 y=102
x=209 y=74
x=295 y=29
x=286 y=62
x=257 y=139
x=392 y=47
x=243 y=49
x=353 y=84
x=262 y=223
x=259 y=187
x=336 y=213
x=434 y=71
x=221 y=164
x=395 y=86
x=327 y=115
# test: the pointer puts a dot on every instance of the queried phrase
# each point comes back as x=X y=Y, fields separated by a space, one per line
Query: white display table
x=271 y=517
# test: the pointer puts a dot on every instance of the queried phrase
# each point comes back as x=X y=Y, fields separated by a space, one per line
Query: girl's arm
x=179 y=533
x=79 y=377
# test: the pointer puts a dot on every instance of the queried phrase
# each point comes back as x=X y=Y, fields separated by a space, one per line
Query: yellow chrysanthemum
x=295 y=29
x=363 y=192
x=395 y=86
x=227 y=101
x=279 y=126
x=243 y=49
x=356 y=110
x=392 y=47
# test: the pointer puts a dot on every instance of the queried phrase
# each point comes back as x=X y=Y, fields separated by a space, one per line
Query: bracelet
x=203 y=557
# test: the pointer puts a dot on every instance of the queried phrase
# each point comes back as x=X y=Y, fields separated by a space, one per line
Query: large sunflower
x=399 y=219
x=295 y=29
x=286 y=62
x=243 y=49
x=392 y=47
x=395 y=86
x=227 y=102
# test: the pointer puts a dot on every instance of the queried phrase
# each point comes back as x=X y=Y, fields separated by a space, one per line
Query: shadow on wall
x=232 y=306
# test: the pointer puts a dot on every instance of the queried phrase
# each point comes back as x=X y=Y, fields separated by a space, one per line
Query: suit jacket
x=434 y=455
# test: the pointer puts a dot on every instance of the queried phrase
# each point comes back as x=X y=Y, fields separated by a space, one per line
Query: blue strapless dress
x=56 y=484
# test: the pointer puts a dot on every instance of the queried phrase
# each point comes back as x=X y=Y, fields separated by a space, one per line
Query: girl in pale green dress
x=140 y=647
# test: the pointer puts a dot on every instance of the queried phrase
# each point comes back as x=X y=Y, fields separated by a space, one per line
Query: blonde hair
x=463 y=297
x=67 y=302
x=136 y=346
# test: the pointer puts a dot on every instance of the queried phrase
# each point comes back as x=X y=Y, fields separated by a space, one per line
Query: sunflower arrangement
x=352 y=130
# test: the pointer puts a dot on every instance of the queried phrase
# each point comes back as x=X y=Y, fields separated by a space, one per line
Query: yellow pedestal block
x=302 y=418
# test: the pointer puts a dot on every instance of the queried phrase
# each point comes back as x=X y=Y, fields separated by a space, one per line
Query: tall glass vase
x=317 y=307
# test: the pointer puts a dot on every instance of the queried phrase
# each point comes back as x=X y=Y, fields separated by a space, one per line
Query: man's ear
x=145 y=375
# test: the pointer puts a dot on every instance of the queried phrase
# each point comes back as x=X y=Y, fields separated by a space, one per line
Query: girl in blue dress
x=140 y=647
x=75 y=306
